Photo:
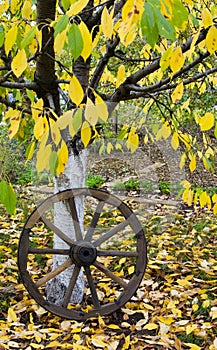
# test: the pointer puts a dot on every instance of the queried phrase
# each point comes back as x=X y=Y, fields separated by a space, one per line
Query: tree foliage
x=65 y=66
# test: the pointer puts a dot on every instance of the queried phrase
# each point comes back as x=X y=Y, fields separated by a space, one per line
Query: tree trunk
x=73 y=177
x=74 y=174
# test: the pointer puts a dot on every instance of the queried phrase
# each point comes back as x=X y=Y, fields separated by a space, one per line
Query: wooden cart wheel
x=113 y=260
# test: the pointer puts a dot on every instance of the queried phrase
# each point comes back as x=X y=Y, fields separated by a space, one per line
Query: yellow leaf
x=101 y=107
x=65 y=120
x=132 y=141
x=62 y=157
x=175 y=140
x=15 y=123
x=101 y=322
x=165 y=59
x=37 y=108
x=177 y=60
x=203 y=199
x=90 y=112
x=184 y=282
x=27 y=9
x=98 y=342
x=211 y=40
x=213 y=312
x=76 y=92
x=109 y=147
x=19 y=63
x=206 y=304
x=87 y=40
x=113 y=326
x=77 y=7
x=177 y=93
x=150 y=326
x=214 y=198
x=40 y=127
x=59 y=42
x=166 y=320
x=131 y=270
x=164 y=132
x=193 y=163
x=182 y=160
x=31 y=150
x=120 y=75
x=43 y=156
x=53 y=344
x=207 y=121
x=107 y=23
x=10 y=38
x=4 y=6
x=12 y=317
x=193 y=346
x=195 y=307
x=188 y=196
x=190 y=328
x=206 y=18
x=55 y=134
x=127 y=343
x=85 y=133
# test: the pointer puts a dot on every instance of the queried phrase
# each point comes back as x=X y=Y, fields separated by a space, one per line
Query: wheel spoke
x=94 y=221
x=95 y=299
x=54 y=273
x=110 y=274
x=74 y=214
x=44 y=251
x=71 y=286
x=110 y=233
x=116 y=253
x=57 y=231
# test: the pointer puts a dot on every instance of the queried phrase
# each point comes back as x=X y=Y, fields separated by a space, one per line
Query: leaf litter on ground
x=175 y=306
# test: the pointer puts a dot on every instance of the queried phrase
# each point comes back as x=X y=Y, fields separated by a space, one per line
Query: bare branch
x=103 y=62
x=17 y=85
x=198 y=77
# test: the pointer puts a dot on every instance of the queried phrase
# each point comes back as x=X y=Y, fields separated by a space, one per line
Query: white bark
x=73 y=177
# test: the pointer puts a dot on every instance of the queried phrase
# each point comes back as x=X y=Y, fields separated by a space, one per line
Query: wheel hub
x=83 y=253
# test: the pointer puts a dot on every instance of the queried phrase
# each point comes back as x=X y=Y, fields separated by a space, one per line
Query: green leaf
x=66 y=4
x=2 y=35
x=61 y=24
x=28 y=37
x=179 y=15
x=75 y=41
x=149 y=27
x=53 y=163
x=77 y=120
x=7 y=197
x=166 y=30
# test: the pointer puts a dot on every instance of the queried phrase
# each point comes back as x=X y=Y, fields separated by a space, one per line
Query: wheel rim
x=94 y=251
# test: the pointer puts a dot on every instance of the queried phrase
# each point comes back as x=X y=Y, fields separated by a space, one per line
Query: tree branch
x=130 y=84
x=140 y=93
x=103 y=62
x=19 y=86
x=13 y=105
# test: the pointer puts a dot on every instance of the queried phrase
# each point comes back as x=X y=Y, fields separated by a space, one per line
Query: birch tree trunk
x=73 y=177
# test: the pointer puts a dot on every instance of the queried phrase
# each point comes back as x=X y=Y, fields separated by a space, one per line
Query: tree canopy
x=65 y=66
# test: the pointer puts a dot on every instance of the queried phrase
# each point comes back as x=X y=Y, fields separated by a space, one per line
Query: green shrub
x=132 y=184
x=94 y=181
